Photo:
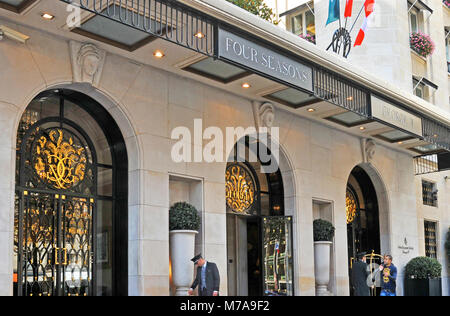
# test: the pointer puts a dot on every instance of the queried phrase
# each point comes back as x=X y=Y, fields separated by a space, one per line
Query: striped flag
x=348 y=8
x=368 y=6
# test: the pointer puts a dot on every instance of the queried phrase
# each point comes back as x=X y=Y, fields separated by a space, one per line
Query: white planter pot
x=182 y=248
x=322 y=251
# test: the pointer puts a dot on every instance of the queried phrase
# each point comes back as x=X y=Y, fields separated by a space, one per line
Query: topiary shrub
x=323 y=230
x=423 y=268
x=183 y=216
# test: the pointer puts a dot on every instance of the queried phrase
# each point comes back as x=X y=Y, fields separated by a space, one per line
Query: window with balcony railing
x=419 y=89
x=429 y=193
x=430 y=239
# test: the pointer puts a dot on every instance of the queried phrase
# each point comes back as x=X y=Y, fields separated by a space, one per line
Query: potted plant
x=423 y=277
x=323 y=237
x=422 y=44
x=184 y=222
x=310 y=38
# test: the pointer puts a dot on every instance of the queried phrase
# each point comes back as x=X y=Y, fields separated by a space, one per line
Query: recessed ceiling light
x=200 y=35
x=158 y=54
x=246 y=85
x=350 y=98
x=362 y=128
x=400 y=143
x=47 y=16
x=311 y=110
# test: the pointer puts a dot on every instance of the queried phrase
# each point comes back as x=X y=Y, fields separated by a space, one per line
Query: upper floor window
x=414 y=21
x=419 y=88
x=430 y=239
x=303 y=23
x=429 y=193
x=418 y=12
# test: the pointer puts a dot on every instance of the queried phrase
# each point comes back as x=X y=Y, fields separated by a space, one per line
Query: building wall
x=440 y=215
x=147 y=104
x=386 y=50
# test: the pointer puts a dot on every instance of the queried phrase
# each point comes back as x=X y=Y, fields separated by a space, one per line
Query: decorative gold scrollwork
x=240 y=189
x=350 y=202
x=59 y=162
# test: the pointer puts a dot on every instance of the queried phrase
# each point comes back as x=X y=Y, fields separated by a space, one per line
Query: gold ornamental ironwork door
x=55 y=207
x=54 y=243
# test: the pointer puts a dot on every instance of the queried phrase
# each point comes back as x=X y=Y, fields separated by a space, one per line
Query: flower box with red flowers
x=310 y=38
x=422 y=44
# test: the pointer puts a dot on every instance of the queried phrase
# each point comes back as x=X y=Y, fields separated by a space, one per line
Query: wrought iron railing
x=337 y=90
x=436 y=133
x=426 y=164
x=165 y=19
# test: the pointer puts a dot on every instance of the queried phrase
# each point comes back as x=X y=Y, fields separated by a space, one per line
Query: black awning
x=299 y=8
x=444 y=161
x=419 y=5
x=425 y=81
x=166 y=19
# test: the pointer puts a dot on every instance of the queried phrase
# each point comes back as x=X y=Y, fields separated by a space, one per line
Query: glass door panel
x=277 y=256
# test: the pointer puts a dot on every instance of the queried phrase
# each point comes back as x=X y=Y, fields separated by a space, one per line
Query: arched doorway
x=71 y=208
x=363 y=219
x=259 y=235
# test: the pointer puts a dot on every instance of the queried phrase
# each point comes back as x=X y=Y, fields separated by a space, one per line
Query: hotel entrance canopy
x=231 y=53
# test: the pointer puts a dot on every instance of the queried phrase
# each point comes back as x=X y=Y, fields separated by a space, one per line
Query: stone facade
x=386 y=52
x=147 y=103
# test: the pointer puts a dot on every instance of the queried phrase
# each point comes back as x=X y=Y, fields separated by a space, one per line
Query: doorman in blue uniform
x=207 y=278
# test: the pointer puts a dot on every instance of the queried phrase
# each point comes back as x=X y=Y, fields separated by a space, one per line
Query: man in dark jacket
x=207 y=278
x=359 y=276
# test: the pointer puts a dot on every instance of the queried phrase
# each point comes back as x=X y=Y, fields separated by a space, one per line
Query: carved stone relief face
x=370 y=149
x=267 y=114
x=87 y=62
x=90 y=64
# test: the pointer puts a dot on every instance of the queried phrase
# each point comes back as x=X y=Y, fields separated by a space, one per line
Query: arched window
x=249 y=190
x=70 y=207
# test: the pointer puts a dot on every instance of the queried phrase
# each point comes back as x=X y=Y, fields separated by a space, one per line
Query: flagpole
x=360 y=11
x=346 y=18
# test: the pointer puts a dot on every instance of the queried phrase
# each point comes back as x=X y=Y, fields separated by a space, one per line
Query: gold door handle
x=65 y=256
x=56 y=255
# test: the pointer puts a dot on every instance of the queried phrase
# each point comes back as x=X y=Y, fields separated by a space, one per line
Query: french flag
x=368 y=5
x=348 y=8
